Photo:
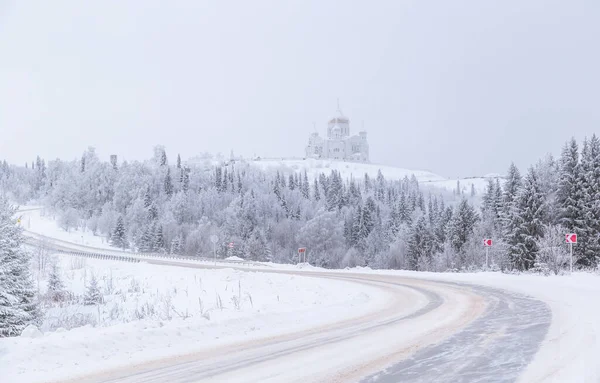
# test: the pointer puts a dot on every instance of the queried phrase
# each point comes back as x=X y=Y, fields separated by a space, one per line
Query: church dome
x=339 y=118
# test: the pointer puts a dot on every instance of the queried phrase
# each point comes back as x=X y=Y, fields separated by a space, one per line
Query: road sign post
x=571 y=238
x=487 y=243
x=301 y=254
x=214 y=239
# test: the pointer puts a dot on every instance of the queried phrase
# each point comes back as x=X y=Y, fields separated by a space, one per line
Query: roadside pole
x=487 y=243
x=571 y=238
x=571 y=251
x=487 y=264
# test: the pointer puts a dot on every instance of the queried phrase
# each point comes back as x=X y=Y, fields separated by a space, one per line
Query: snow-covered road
x=430 y=331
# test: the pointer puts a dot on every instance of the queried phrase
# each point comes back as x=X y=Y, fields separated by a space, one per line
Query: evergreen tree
x=147 y=198
x=420 y=245
x=186 y=179
x=163 y=158
x=291 y=182
x=83 y=163
x=146 y=244
x=168 y=183
x=119 y=235
x=334 y=195
x=367 y=183
x=56 y=287
x=152 y=212
x=159 y=239
x=461 y=225
x=18 y=306
x=305 y=187
x=404 y=211
x=93 y=296
x=316 y=192
x=178 y=161
x=218 y=178
x=588 y=246
x=380 y=189
x=177 y=245
x=239 y=184
x=529 y=223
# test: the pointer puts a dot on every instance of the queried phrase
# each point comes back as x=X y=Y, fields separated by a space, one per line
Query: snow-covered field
x=348 y=170
x=155 y=311
x=37 y=220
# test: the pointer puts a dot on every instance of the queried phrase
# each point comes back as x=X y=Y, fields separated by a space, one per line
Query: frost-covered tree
x=168 y=184
x=420 y=245
x=528 y=223
x=119 y=235
x=567 y=195
x=93 y=296
x=56 y=287
x=323 y=237
x=18 y=303
x=461 y=226
x=553 y=252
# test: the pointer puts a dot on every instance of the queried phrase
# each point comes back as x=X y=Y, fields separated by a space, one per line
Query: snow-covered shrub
x=69 y=219
x=93 y=296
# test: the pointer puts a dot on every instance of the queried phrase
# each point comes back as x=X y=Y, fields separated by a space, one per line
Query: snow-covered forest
x=164 y=205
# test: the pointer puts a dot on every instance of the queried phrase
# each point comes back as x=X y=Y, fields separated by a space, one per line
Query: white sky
x=456 y=87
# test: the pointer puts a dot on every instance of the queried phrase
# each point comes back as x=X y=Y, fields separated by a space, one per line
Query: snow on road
x=162 y=311
x=570 y=351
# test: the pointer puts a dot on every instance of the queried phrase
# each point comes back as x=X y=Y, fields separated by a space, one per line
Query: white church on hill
x=339 y=144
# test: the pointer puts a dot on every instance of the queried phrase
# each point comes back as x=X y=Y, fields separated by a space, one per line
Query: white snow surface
x=152 y=312
x=38 y=220
x=348 y=170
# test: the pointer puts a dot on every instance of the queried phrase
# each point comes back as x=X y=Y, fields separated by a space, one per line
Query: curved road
x=429 y=332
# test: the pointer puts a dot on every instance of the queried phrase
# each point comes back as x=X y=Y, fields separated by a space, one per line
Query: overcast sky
x=460 y=88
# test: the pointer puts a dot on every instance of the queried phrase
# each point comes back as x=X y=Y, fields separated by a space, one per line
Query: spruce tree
x=186 y=179
x=420 y=245
x=178 y=161
x=305 y=187
x=528 y=225
x=93 y=296
x=119 y=234
x=334 y=195
x=147 y=198
x=177 y=245
x=588 y=195
x=18 y=304
x=461 y=225
x=168 y=183
x=56 y=287
x=159 y=239
x=316 y=191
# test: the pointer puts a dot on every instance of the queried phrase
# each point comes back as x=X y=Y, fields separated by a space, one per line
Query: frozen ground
x=155 y=312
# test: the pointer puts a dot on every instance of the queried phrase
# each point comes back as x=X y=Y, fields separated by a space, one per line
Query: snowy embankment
x=152 y=312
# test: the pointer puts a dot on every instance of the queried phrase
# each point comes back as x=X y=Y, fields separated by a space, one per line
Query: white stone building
x=339 y=144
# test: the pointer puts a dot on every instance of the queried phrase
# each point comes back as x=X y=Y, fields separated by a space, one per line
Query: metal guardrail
x=69 y=248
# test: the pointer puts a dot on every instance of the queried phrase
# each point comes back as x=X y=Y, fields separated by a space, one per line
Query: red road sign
x=571 y=238
x=302 y=250
x=487 y=242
